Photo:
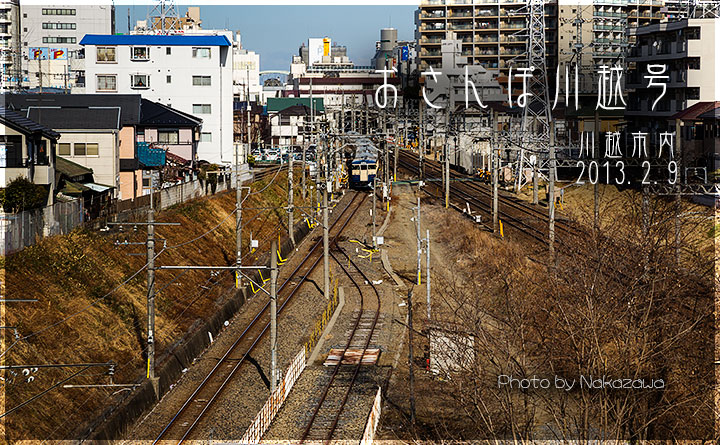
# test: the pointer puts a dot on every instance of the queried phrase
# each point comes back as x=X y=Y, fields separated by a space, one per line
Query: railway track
x=527 y=218
x=268 y=171
x=195 y=408
x=325 y=417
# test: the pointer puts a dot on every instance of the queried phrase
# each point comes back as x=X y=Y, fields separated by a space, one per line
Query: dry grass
x=78 y=320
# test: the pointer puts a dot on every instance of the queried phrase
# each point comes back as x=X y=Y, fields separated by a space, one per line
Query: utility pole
x=326 y=242
x=291 y=208
x=421 y=137
x=451 y=100
x=410 y=358
x=273 y=316
x=374 y=208
x=596 y=190
x=494 y=156
x=427 y=273
x=238 y=219
x=551 y=191
x=151 y=290
x=312 y=135
x=249 y=143
x=419 y=243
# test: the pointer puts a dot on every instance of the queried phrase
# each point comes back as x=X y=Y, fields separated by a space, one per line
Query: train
x=363 y=166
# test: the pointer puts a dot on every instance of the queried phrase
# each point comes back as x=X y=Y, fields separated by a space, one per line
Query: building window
x=201 y=81
x=64 y=149
x=693 y=63
x=59 y=39
x=693 y=33
x=693 y=93
x=168 y=79
x=168 y=50
x=140 y=53
x=201 y=53
x=47 y=25
x=106 y=54
x=205 y=137
x=106 y=82
x=202 y=109
x=56 y=11
x=139 y=81
x=83 y=149
x=168 y=136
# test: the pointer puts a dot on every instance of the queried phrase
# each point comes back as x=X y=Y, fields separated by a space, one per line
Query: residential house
x=290 y=126
x=698 y=149
x=135 y=121
x=27 y=149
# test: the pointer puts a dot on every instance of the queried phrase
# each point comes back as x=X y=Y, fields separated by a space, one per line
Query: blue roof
x=155 y=40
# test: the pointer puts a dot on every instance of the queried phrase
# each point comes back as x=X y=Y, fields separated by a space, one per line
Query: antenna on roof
x=167 y=15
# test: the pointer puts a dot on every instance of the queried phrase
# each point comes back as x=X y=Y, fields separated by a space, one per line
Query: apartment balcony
x=486 y=12
x=512 y=52
x=430 y=41
x=432 y=27
x=5 y=18
x=512 y=25
x=454 y=26
x=486 y=52
x=430 y=53
x=435 y=14
x=465 y=14
x=491 y=40
x=486 y=25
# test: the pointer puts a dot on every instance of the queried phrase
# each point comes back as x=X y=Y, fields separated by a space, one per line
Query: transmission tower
x=167 y=13
x=536 y=114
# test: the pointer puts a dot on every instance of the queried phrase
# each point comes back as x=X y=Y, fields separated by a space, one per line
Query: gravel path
x=297 y=410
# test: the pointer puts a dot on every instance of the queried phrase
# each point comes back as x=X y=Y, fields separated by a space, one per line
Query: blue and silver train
x=363 y=166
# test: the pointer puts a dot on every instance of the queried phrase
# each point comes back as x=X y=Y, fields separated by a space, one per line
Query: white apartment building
x=246 y=71
x=191 y=73
x=58 y=29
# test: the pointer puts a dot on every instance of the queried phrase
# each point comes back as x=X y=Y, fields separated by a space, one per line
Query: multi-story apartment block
x=10 y=61
x=191 y=73
x=51 y=34
x=493 y=32
x=688 y=50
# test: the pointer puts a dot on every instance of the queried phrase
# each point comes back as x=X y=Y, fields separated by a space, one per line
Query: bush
x=22 y=194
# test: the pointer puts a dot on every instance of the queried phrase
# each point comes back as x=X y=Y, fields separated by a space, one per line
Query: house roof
x=155 y=40
x=695 y=111
x=71 y=169
x=77 y=118
x=275 y=104
x=129 y=103
x=157 y=114
x=24 y=125
x=295 y=110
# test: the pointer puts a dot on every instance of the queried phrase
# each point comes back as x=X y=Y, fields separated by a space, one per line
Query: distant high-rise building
x=51 y=52
x=493 y=33
x=10 y=61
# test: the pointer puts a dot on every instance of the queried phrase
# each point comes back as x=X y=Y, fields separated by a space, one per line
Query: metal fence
x=23 y=229
x=266 y=415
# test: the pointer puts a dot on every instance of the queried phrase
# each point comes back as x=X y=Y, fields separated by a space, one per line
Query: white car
x=272 y=155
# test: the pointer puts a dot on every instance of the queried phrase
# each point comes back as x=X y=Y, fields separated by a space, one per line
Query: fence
x=20 y=230
x=266 y=415
x=373 y=419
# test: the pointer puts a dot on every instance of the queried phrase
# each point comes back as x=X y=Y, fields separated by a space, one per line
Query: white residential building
x=246 y=70
x=191 y=73
x=58 y=30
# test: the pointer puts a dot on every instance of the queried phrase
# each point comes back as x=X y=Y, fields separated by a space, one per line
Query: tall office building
x=51 y=52
x=9 y=44
x=493 y=33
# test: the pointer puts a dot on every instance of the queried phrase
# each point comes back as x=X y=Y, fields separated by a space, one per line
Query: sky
x=276 y=32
